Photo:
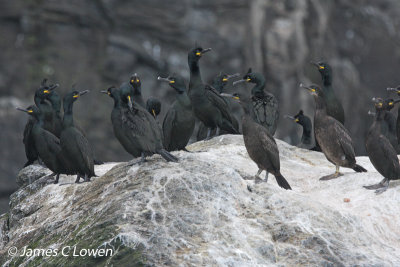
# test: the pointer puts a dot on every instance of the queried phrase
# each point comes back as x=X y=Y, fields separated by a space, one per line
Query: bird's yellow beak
x=154 y=113
x=224 y=79
x=172 y=81
x=198 y=53
x=75 y=96
x=248 y=80
x=321 y=67
x=296 y=120
x=46 y=91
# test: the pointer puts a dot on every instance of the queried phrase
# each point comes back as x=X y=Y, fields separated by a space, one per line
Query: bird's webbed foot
x=78 y=177
x=380 y=187
x=331 y=176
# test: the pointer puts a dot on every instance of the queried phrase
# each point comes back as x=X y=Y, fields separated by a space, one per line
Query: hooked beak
x=232 y=76
x=22 y=109
x=289 y=117
x=130 y=105
x=154 y=112
x=314 y=63
x=163 y=79
x=371 y=113
x=239 y=81
x=397 y=89
x=206 y=50
x=83 y=92
x=104 y=92
x=309 y=89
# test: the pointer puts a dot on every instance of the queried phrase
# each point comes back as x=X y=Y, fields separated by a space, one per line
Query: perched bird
x=380 y=151
x=332 y=136
x=153 y=106
x=397 y=90
x=260 y=144
x=389 y=127
x=179 y=122
x=46 y=111
x=307 y=140
x=334 y=107
x=265 y=105
x=135 y=86
x=219 y=82
x=55 y=101
x=47 y=144
x=208 y=106
x=74 y=144
x=135 y=128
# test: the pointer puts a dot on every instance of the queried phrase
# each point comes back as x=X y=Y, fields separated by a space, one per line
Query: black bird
x=55 y=100
x=307 y=141
x=389 y=127
x=208 y=106
x=219 y=82
x=332 y=136
x=153 y=106
x=135 y=86
x=260 y=144
x=47 y=144
x=179 y=122
x=135 y=128
x=334 y=107
x=265 y=105
x=74 y=144
x=397 y=90
x=46 y=110
x=381 y=153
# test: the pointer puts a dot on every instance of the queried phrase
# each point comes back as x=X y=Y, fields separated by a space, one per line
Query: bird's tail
x=282 y=182
x=167 y=156
x=29 y=162
x=359 y=168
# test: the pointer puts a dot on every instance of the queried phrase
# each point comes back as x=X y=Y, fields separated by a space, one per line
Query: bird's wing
x=218 y=101
x=168 y=124
x=269 y=145
x=344 y=139
x=85 y=148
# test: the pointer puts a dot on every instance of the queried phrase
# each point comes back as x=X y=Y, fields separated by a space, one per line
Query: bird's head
x=176 y=82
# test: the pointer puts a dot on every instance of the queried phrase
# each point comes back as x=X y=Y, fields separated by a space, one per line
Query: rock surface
x=204 y=211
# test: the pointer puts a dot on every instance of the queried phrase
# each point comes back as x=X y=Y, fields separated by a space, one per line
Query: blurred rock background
x=98 y=43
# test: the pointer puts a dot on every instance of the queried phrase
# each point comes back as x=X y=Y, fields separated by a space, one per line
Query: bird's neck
x=219 y=86
x=68 y=120
x=195 y=75
x=258 y=89
x=306 y=138
x=327 y=79
x=183 y=98
x=320 y=106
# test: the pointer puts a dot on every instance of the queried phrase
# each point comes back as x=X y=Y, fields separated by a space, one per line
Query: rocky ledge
x=204 y=211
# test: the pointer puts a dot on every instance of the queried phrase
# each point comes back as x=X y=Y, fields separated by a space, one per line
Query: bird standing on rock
x=265 y=105
x=135 y=128
x=380 y=151
x=219 y=82
x=47 y=144
x=334 y=107
x=332 y=136
x=397 y=90
x=208 y=106
x=74 y=144
x=260 y=144
x=179 y=122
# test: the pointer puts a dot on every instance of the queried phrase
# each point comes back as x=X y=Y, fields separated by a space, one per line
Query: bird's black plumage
x=135 y=128
x=380 y=151
x=334 y=107
x=179 y=122
x=48 y=124
x=332 y=136
x=153 y=106
x=47 y=144
x=265 y=105
x=74 y=144
x=397 y=90
x=307 y=140
x=260 y=144
x=219 y=82
x=208 y=106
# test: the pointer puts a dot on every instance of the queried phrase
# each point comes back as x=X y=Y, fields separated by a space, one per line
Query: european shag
x=219 y=82
x=260 y=144
x=332 y=136
x=307 y=141
x=74 y=144
x=208 y=106
x=135 y=128
x=179 y=122
x=265 y=105
x=397 y=90
x=44 y=106
x=334 y=107
x=389 y=127
x=47 y=144
x=135 y=86
x=153 y=106
x=381 y=153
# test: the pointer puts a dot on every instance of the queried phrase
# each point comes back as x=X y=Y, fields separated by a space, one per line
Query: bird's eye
x=132 y=81
x=137 y=80
x=296 y=120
